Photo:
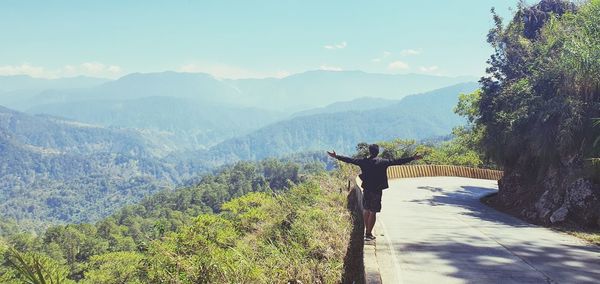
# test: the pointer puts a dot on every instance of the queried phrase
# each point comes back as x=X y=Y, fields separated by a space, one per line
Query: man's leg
x=367 y=220
x=370 y=223
x=371 y=205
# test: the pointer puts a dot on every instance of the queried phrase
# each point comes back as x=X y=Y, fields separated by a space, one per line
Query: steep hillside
x=54 y=170
x=269 y=224
x=51 y=135
x=538 y=106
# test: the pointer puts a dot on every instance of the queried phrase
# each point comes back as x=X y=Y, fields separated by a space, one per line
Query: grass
x=588 y=235
x=300 y=236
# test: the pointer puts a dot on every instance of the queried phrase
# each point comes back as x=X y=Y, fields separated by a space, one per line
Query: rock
x=564 y=195
x=560 y=214
x=578 y=192
x=543 y=205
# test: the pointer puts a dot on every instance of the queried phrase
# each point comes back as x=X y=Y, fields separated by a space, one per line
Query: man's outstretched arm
x=403 y=161
x=344 y=159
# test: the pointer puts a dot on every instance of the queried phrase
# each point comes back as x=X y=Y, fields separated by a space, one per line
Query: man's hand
x=332 y=154
x=417 y=157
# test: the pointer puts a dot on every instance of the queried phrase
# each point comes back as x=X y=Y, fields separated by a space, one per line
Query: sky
x=245 y=39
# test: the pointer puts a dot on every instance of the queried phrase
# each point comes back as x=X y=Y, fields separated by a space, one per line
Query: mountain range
x=417 y=117
x=194 y=111
x=76 y=155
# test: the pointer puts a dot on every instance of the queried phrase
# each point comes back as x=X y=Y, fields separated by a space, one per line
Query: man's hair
x=374 y=150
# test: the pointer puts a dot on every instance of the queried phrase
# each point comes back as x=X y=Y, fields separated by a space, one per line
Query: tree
x=116 y=267
x=537 y=103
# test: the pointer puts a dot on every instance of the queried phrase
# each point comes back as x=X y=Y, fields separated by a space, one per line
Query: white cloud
x=340 y=45
x=409 y=52
x=23 y=69
x=229 y=72
x=428 y=69
x=330 y=68
x=94 y=69
x=114 y=69
x=383 y=56
x=281 y=74
x=398 y=65
x=99 y=69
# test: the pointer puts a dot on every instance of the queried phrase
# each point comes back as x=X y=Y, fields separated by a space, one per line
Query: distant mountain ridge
x=414 y=117
x=296 y=92
x=360 y=104
x=183 y=123
x=195 y=111
x=24 y=82
x=319 y=88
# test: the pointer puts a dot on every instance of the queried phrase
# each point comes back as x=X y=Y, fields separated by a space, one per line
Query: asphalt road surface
x=435 y=230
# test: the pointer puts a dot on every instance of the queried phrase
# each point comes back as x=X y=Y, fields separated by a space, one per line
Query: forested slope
x=538 y=106
x=56 y=170
x=251 y=222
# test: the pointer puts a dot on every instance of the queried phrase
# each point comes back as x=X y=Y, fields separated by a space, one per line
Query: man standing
x=375 y=180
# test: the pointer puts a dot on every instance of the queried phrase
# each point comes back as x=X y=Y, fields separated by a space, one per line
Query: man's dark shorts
x=372 y=200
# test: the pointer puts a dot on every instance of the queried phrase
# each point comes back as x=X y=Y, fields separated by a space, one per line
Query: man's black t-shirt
x=374 y=170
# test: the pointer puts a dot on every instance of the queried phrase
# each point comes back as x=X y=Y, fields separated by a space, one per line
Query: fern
x=35 y=268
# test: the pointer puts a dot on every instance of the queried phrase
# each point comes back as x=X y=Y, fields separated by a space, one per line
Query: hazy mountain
x=50 y=135
x=187 y=124
x=296 y=92
x=191 y=111
x=360 y=104
x=20 y=91
x=319 y=88
x=24 y=82
x=418 y=116
x=198 y=86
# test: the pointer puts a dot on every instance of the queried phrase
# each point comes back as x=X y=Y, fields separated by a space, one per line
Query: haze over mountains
x=110 y=143
x=341 y=127
x=195 y=110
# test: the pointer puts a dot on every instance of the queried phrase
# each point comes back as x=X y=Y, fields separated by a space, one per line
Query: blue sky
x=238 y=39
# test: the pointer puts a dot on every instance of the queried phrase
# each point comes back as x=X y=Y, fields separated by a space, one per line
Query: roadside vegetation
x=539 y=110
x=272 y=222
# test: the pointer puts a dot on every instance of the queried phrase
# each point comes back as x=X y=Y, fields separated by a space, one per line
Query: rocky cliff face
x=564 y=197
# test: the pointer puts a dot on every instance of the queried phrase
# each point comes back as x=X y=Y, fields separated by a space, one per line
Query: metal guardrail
x=411 y=171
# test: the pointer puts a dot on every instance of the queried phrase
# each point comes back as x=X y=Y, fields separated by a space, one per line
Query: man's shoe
x=369 y=237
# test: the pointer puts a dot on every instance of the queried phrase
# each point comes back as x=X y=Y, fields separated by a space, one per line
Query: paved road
x=435 y=230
